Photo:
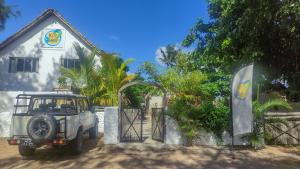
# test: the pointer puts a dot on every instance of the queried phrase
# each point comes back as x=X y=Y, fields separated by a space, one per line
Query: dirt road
x=139 y=156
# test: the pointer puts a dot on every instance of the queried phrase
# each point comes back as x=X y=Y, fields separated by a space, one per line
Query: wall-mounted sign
x=53 y=38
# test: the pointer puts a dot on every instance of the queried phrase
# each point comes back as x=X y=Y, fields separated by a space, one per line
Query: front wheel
x=93 y=132
x=76 y=144
x=26 y=151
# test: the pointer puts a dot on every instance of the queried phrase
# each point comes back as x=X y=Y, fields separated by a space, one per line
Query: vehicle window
x=55 y=105
x=85 y=104
x=82 y=105
x=79 y=103
x=22 y=106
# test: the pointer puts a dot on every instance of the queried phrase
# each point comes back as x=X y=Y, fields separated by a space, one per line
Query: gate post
x=111 y=125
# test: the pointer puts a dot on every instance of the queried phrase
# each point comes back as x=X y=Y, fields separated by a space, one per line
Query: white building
x=30 y=59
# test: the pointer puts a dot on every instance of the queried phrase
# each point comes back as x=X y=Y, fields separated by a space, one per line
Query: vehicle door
x=89 y=113
x=83 y=116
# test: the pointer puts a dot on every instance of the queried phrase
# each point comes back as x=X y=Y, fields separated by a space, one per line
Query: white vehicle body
x=68 y=123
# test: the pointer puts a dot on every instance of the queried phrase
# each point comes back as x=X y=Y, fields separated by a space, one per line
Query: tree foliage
x=196 y=100
x=101 y=83
x=6 y=12
x=240 y=32
x=168 y=55
x=115 y=75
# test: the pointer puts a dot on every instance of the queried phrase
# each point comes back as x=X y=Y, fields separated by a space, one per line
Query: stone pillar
x=111 y=125
x=173 y=135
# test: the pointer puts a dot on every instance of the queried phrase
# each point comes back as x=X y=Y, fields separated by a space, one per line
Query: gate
x=131 y=125
x=131 y=119
x=158 y=124
x=280 y=133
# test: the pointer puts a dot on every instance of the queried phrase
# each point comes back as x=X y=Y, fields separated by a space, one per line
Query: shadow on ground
x=144 y=156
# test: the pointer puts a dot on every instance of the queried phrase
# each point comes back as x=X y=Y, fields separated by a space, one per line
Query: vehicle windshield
x=52 y=104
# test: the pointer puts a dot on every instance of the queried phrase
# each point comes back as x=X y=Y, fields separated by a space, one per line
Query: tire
x=76 y=145
x=26 y=151
x=42 y=128
x=93 y=132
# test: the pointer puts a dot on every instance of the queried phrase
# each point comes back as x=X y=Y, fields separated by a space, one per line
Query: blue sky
x=132 y=28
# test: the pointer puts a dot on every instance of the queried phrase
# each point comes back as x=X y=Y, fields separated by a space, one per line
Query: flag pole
x=231 y=116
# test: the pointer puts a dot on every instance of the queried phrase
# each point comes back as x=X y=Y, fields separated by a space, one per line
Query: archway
x=135 y=125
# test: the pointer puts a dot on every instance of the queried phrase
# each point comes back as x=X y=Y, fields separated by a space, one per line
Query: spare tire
x=41 y=128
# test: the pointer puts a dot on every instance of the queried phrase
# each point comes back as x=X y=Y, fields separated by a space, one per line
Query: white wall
x=173 y=135
x=100 y=116
x=7 y=102
x=111 y=125
x=29 y=45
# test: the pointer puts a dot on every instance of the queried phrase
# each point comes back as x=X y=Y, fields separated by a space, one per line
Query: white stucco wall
x=111 y=125
x=7 y=101
x=29 y=45
x=100 y=116
x=173 y=135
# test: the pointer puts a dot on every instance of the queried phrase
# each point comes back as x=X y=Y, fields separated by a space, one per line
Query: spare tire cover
x=41 y=128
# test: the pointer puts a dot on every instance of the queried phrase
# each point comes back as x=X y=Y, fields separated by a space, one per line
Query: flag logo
x=243 y=89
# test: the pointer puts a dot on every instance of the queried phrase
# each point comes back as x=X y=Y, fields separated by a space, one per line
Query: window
x=82 y=105
x=70 y=63
x=52 y=105
x=23 y=64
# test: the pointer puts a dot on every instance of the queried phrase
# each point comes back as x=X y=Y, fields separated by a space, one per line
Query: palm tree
x=5 y=13
x=102 y=83
x=169 y=55
x=115 y=75
x=81 y=77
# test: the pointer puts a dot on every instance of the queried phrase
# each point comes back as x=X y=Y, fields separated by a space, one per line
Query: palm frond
x=275 y=103
x=276 y=120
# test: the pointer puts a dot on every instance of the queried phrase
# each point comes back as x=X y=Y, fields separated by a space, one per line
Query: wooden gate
x=158 y=124
x=287 y=132
x=131 y=125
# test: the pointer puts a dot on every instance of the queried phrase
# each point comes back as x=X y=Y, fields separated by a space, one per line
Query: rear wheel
x=26 y=151
x=76 y=144
x=93 y=132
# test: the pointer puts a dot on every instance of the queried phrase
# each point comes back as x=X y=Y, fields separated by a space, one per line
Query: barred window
x=70 y=63
x=23 y=64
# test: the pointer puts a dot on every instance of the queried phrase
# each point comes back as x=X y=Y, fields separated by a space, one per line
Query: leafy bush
x=101 y=83
x=198 y=99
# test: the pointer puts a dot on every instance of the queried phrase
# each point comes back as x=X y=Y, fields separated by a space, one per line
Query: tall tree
x=82 y=78
x=6 y=12
x=100 y=83
x=114 y=75
x=241 y=32
x=168 y=54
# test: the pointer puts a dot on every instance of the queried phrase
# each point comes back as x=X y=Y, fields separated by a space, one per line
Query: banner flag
x=242 y=101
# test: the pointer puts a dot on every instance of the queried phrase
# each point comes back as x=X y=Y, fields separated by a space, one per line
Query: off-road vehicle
x=53 y=119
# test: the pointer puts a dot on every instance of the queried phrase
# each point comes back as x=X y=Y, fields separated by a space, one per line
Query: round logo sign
x=53 y=37
x=243 y=89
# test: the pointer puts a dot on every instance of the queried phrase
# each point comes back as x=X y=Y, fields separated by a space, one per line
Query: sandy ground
x=139 y=156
